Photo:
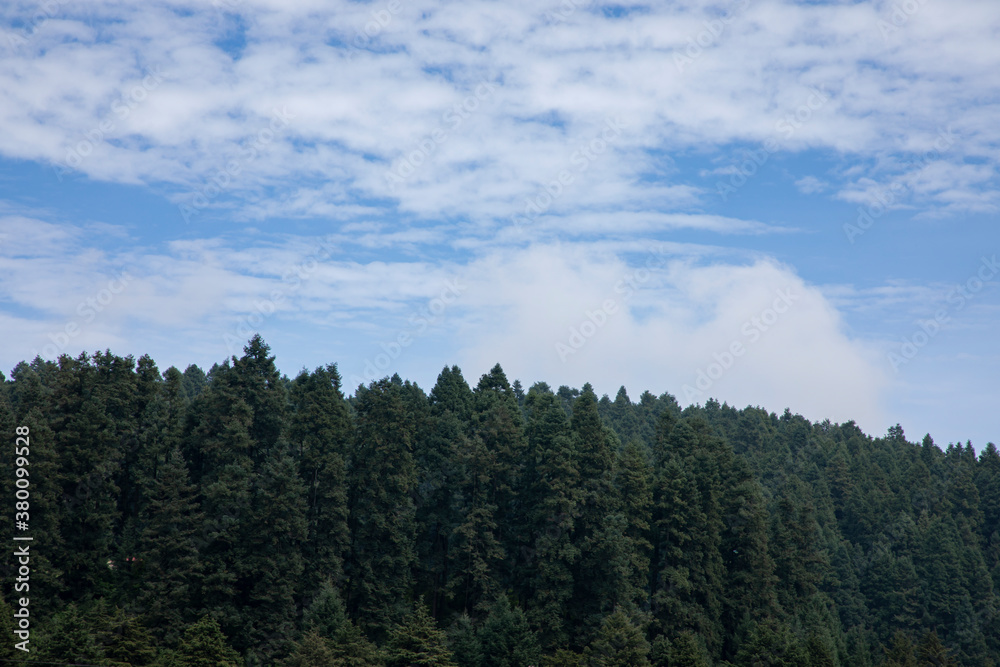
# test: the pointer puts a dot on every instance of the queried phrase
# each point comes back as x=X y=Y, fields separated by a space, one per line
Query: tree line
x=241 y=517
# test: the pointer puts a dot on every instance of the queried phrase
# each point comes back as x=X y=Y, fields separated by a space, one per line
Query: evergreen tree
x=417 y=641
x=464 y=643
x=128 y=641
x=204 y=645
x=554 y=504
x=505 y=638
x=618 y=643
x=932 y=653
x=632 y=481
x=320 y=434
x=167 y=550
x=603 y=578
x=313 y=650
x=383 y=479
x=498 y=424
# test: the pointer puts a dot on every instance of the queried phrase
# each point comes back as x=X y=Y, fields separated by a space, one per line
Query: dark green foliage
x=320 y=436
x=684 y=651
x=541 y=528
x=383 y=526
x=464 y=643
x=167 y=549
x=505 y=639
x=312 y=651
x=417 y=641
x=7 y=637
x=618 y=643
x=204 y=645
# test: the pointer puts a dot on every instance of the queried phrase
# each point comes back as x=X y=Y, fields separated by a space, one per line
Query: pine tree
x=204 y=645
x=688 y=592
x=463 y=642
x=618 y=643
x=418 y=641
x=444 y=419
x=505 y=638
x=320 y=433
x=932 y=653
x=383 y=478
x=71 y=636
x=167 y=550
x=686 y=651
x=326 y=616
x=603 y=577
x=901 y=652
x=313 y=650
x=553 y=500
x=632 y=481
x=498 y=423
x=128 y=641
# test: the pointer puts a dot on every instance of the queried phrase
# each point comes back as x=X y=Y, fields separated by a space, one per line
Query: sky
x=771 y=203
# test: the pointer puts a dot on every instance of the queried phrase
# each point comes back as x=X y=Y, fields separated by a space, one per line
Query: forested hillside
x=242 y=517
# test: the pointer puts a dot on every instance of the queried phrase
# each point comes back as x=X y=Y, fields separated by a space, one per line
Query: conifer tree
x=168 y=553
x=383 y=478
x=505 y=638
x=498 y=423
x=618 y=643
x=603 y=578
x=554 y=504
x=418 y=641
x=320 y=434
x=463 y=642
x=204 y=645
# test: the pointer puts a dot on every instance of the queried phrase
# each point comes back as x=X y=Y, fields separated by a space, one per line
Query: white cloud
x=359 y=111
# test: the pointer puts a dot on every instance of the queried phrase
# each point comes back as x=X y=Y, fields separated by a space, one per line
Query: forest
x=240 y=517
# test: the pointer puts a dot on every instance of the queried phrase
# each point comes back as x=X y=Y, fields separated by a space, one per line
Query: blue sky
x=784 y=204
